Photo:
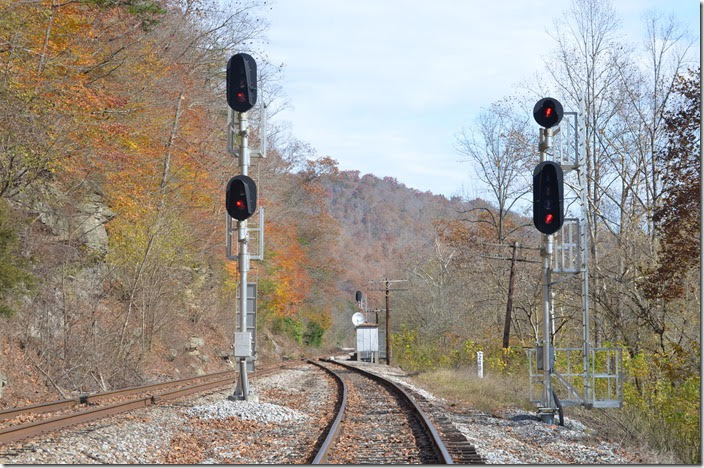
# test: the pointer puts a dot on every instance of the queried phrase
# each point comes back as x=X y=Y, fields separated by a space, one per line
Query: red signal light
x=241 y=81
x=549 y=218
x=548 y=112
x=241 y=197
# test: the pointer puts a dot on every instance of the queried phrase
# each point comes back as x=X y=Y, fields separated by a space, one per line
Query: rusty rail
x=22 y=431
x=441 y=451
x=96 y=398
x=334 y=429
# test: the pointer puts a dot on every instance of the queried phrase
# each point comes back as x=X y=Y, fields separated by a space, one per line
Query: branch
x=49 y=378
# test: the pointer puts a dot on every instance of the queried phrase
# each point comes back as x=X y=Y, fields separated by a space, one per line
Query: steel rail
x=441 y=451
x=18 y=432
x=334 y=431
x=39 y=408
x=14 y=433
x=95 y=398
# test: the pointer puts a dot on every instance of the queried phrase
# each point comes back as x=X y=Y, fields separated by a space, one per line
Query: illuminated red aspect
x=549 y=218
x=240 y=96
x=548 y=112
x=239 y=204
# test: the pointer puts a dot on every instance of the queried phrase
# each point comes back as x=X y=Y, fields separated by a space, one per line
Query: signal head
x=548 y=198
x=241 y=82
x=548 y=112
x=241 y=197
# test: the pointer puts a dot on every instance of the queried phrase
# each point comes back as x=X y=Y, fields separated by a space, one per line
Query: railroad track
x=376 y=420
x=462 y=452
x=378 y=423
x=29 y=421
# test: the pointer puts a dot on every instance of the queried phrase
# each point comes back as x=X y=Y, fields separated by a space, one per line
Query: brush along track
x=381 y=425
x=34 y=420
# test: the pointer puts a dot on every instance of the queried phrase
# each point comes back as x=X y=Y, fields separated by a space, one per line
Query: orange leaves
x=292 y=282
x=453 y=231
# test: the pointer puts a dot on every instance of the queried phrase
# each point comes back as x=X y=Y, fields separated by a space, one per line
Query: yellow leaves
x=129 y=143
x=292 y=283
x=637 y=366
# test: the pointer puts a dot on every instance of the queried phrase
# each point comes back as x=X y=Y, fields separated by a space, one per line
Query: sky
x=384 y=86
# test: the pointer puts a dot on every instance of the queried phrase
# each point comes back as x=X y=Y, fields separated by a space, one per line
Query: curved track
x=378 y=423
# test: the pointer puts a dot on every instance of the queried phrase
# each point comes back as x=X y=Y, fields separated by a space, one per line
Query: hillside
x=382 y=221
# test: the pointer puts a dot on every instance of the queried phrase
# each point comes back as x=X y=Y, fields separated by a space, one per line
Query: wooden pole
x=509 y=302
x=388 y=334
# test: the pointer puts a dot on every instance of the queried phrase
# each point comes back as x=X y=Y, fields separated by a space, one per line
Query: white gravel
x=246 y=410
x=521 y=437
x=276 y=433
x=124 y=441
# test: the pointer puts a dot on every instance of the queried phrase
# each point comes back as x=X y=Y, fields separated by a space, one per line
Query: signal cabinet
x=367 y=342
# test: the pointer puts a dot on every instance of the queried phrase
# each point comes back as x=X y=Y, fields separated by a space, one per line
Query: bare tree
x=500 y=152
x=648 y=91
x=624 y=100
x=582 y=70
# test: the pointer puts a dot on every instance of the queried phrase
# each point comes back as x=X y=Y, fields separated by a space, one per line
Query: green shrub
x=314 y=334
x=290 y=327
x=410 y=353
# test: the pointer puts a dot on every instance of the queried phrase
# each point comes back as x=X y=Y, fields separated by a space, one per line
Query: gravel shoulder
x=282 y=428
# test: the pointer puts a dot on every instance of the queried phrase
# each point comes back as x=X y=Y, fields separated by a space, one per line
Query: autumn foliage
x=123 y=100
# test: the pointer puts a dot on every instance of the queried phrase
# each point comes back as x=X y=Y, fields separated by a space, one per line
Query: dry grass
x=490 y=394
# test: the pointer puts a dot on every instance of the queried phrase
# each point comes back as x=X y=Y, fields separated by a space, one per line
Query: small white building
x=368 y=342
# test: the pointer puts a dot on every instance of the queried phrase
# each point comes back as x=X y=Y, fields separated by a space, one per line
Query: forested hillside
x=113 y=167
x=383 y=221
x=113 y=173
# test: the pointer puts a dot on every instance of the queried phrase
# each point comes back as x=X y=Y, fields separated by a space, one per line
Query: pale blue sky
x=383 y=86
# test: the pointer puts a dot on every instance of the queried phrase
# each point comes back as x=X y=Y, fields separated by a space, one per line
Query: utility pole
x=387 y=289
x=509 y=302
x=388 y=309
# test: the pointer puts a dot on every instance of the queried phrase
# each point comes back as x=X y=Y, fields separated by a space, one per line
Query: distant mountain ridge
x=382 y=221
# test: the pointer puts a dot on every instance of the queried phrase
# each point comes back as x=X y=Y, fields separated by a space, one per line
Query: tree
x=500 y=153
x=582 y=71
x=677 y=218
x=14 y=277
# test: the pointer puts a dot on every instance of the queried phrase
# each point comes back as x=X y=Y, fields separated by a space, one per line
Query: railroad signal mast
x=241 y=198
x=600 y=370
x=366 y=329
x=547 y=217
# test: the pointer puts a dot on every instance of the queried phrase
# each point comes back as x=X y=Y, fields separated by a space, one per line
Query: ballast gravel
x=284 y=426
x=246 y=410
x=281 y=428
